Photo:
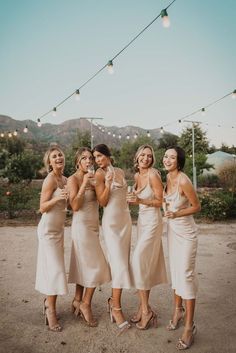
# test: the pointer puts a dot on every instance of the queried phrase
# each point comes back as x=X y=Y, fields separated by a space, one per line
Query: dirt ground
x=22 y=329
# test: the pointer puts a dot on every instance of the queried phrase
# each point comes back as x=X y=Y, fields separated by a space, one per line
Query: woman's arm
x=187 y=188
x=102 y=187
x=157 y=188
x=46 y=200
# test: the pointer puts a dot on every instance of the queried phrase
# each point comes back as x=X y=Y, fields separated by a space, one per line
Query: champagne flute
x=92 y=171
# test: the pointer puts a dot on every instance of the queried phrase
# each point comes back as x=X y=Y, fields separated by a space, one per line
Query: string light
x=77 y=95
x=109 y=132
x=234 y=94
x=135 y=135
x=39 y=122
x=148 y=134
x=54 y=112
x=119 y=136
x=179 y=121
x=203 y=111
x=162 y=130
x=113 y=135
x=15 y=133
x=25 y=130
x=110 y=67
x=9 y=134
x=2 y=134
x=165 y=18
x=127 y=136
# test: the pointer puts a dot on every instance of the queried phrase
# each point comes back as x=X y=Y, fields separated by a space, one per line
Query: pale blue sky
x=50 y=47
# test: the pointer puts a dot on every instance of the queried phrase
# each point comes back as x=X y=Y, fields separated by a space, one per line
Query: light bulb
x=128 y=137
x=54 y=112
x=165 y=18
x=39 y=123
x=109 y=132
x=119 y=136
x=203 y=111
x=114 y=135
x=180 y=121
x=25 y=129
x=135 y=135
x=77 y=95
x=234 y=94
x=9 y=134
x=162 y=130
x=110 y=67
x=148 y=134
x=2 y=134
x=15 y=132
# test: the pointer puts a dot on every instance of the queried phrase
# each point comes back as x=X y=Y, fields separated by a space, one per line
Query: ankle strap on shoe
x=116 y=309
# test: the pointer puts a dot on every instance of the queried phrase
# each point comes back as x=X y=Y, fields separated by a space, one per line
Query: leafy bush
x=217 y=206
x=209 y=180
x=18 y=197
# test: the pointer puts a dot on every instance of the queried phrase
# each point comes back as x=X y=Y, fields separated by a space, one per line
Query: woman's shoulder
x=184 y=179
x=50 y=182
x=153 y=172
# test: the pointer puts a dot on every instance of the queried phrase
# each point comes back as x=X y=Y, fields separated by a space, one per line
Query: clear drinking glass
x=92 y=171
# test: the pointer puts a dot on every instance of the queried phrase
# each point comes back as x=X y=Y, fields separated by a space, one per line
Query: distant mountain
x=65 y=132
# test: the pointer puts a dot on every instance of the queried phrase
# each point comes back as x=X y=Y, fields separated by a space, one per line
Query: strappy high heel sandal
x=122 y=326
x=137 y=316
x=75 y=307
x=171 y=326
x=149 y=319
x=91 y=322
x=182 y=345
x=47 y=312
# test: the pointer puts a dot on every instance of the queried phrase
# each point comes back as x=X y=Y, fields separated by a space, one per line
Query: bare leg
x=146 y=313
x=50 y=308
x=116 y=305
x=190 y=306
x=79 y=292
x=178 y=312
x=85 y=306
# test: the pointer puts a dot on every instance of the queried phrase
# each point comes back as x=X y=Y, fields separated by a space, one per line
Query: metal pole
x=91 y=128
x=91 y=133
x=194 y=167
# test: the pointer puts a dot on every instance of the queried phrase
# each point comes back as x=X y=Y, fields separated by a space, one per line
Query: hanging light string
x=110 y=62
x=115 y=134
x=200 y=110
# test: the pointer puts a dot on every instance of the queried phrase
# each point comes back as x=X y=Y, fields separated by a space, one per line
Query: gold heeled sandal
x=149 y=320
x=122 y=326
x=47 y=312
x=171 y=326
x=182 y=345
x=90 y=322
x=75 y=307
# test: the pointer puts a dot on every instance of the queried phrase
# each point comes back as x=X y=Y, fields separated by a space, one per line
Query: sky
x=49 y=48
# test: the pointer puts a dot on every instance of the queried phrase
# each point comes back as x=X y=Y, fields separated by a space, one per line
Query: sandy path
x=22 y=328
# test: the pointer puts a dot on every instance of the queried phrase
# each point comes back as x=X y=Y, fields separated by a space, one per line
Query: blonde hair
x=78 y=155
x=138 y=153
x=46 y=157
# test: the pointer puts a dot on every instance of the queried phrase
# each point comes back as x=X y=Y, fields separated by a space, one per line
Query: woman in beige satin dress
x=111 y=190
x=148 y=264
x=51 y=274
x=181 y=202
x=88 y=266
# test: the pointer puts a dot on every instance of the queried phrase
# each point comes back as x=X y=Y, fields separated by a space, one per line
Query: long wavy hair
x=46 y=157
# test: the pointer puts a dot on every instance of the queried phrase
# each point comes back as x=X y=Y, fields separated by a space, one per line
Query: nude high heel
x=182 y=345
x=171 y=326
x=150 y=319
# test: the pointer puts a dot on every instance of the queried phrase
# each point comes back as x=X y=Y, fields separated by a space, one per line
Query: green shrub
x=216 y=206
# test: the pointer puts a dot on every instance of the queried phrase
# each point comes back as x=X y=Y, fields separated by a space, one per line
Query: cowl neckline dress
x=182 y=246
x=50 y=272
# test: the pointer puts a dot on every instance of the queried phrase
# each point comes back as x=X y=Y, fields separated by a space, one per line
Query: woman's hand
x=170 y=214
x=87 y=179
x=108 y=178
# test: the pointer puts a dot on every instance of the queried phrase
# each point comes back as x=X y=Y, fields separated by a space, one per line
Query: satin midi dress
x=182 y=247
x=148 y=264
x=50 y=272
x=117 y=227
x=88 y=265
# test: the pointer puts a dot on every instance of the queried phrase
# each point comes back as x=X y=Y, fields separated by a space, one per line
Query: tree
x=13 y=145
x=201 y=147
x=167 y=140
x=201 y=143
x=22 y=166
